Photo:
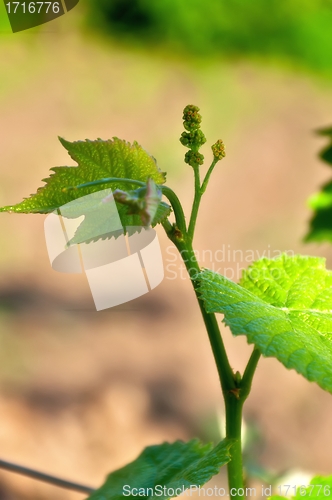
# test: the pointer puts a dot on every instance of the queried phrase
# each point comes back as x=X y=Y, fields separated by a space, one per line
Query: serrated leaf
x=96 y=160
x=167 y=467
x=319 y=487
x=284 y=307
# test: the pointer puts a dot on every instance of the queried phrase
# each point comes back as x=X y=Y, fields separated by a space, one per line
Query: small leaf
x=163 y=469
x=96 y=160
x=320 y=488
x=284 y=307
x=143 y=202
x=152 y=199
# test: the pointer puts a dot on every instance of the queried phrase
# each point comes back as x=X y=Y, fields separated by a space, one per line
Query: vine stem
x=225 y=372
x=196 y=203
x=40 y=476
x=235 y=388
x=208 y=175
x=233 y=405
x=233 y=408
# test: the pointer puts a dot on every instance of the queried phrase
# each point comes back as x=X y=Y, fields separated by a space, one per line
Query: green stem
x=177 y=209
x=196 y=203
x=233 y=406
x=199 y=191
x=106 y=180
x=208 y=175
x=234 y=391
x=225 y=371
x=234 y=403
x=234 y=388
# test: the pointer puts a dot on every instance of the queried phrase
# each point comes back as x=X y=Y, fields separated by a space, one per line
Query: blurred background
x=81 y=392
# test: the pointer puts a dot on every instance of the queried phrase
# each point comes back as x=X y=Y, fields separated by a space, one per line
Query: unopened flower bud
x=218 y=150
x=193 y=158
x=193 y=140
x=191 y=117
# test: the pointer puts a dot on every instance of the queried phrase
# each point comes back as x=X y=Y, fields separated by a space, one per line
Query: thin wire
x=40 y=476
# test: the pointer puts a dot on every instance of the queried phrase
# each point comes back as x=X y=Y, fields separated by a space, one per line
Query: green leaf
x=96 y=160
x=323 y=199
x=164 y=469
x=326 y=155
x=319 y=487
x=321 y=223
x=284 y=307
x=320 y=228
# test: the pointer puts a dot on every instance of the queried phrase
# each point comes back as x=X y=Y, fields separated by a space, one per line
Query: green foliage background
x=297 y=31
